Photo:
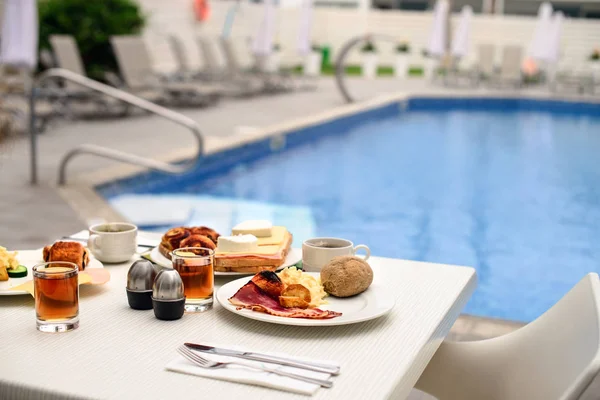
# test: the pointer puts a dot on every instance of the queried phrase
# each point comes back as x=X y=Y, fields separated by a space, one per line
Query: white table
x=120 y=353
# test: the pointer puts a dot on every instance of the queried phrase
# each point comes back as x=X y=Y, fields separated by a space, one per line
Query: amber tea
x=195 y=266
x=56 y=292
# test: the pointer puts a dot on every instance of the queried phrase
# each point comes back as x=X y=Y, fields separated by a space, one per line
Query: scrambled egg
x=8 y=260
x=292 y=275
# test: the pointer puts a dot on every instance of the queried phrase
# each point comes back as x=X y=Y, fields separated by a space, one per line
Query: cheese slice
x=261 y=250
x=258 y=228
x=277 y=236
x=237 y=244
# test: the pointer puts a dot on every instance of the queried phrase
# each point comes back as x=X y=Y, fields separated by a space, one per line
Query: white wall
x=336 y=26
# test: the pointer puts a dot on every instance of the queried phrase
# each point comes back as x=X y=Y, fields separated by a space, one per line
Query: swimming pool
x=510 y=187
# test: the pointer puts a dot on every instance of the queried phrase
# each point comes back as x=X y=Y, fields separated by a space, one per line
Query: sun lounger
x=273 y=81
x=572 y=77
x=73 y=96
x=509 y=73
x=228 y=87
x=139 y=78
x=485 y=67
x=510 y=68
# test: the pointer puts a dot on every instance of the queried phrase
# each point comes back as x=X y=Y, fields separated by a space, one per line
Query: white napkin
x=243 y=374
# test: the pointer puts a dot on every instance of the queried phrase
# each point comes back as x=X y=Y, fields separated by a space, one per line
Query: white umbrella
x=19 y=44
x=306 y=20
x=462 y=37
x=263 y=41
x=437 y=40
x=554 y=37
x=538 y=48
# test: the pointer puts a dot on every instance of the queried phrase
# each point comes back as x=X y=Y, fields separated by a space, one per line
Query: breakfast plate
x=30 y=258
x=372 y=303
x=294 y=257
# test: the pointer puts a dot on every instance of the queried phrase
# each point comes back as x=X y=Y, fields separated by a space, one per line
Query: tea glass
x=56 y=293
x=195 y=266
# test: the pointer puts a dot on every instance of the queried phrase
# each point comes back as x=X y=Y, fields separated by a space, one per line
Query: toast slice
x=253 y=263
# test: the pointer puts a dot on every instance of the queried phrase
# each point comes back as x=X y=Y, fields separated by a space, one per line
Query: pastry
x=205 y=231
x=183 y=236
x=68 y=251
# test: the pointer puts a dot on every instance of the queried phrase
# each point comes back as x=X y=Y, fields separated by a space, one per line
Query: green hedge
x=91 y=22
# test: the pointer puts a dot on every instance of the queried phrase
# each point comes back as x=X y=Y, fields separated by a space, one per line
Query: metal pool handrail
x=339 y=62
x=104 y=151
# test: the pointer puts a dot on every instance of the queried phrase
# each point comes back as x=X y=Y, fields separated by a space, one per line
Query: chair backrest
x=231 y=59
x=486 y=55
x=67 y=53
x=557 y=356
x=134 y=61
x=512 y=57
x=179 y=53
x=207 y=51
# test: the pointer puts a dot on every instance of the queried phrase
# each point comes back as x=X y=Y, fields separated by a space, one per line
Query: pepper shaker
x=140 y=279
x=168 y=298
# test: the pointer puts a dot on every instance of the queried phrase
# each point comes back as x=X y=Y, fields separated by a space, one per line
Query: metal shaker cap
x=168 y=286
x=141 y=276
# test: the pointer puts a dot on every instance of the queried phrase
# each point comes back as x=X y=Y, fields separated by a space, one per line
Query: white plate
x=293 y=257
x=373 y=303
x=29 y=258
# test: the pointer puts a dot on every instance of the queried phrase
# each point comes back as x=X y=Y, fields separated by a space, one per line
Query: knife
x=309 y=365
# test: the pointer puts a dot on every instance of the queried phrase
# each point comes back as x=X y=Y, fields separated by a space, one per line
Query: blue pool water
x=514 y=194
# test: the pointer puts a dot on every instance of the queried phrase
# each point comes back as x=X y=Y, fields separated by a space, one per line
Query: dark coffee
x=113 y=229
x=327 y=246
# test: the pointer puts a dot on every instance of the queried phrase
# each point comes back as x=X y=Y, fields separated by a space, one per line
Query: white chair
x=556 y=356
x=486 y=60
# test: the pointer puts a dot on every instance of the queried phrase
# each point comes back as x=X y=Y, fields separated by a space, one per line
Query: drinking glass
x=56 y=292
x=195 y=266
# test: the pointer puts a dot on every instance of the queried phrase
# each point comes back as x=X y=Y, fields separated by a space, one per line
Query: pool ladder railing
x=58 y=73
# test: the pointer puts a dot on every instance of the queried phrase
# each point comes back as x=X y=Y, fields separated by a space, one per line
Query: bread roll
x=346 y=276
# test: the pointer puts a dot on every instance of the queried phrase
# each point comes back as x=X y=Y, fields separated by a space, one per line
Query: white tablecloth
x=120 y=353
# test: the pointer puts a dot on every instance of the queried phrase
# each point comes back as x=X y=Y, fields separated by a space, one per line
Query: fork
x=210 y=364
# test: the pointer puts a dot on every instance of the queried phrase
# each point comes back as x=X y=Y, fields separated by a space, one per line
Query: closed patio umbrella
x=437 y=39
x=462 y=37
x=304 y=34
x=19 y=43
x=538 y=48
x=555 y=35
x=263 y=41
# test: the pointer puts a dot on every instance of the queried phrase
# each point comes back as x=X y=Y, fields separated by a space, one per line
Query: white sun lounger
x=228 y=87
x=486 y=61
x=273 y=82
x=67 y=56
x=510 y=67
x=139 y=78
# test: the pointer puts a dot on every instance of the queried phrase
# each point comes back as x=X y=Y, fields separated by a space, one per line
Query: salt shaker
x=168 y=299
x=140 y=279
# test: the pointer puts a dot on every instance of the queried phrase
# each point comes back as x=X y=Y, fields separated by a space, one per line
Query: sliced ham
x=252 y=297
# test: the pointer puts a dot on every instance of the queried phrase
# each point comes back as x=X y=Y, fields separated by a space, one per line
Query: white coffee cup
x=317 y=252
x=113 y=242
